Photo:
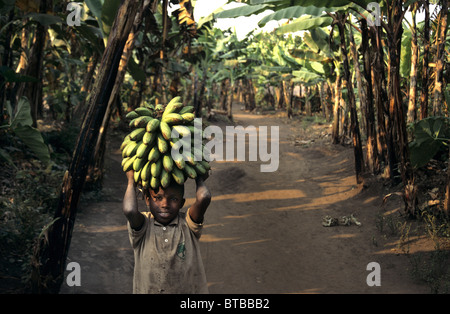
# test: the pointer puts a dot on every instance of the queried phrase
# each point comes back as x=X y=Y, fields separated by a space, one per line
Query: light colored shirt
x=167 y=258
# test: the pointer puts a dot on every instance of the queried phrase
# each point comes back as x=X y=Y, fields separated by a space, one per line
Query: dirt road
x=263 y=231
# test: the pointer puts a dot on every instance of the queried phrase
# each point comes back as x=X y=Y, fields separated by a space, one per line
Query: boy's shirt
x=167 y=258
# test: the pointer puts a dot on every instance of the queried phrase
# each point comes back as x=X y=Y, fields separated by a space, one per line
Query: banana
x=141 y=122
x=167 y=163
x=186 y=109
x=125 y=142
x=175 y=99
x=132 y=148
x=137 y=175
x=165 y=178
x=146 y=171
x=178 y=176
x=146 y=149
x=154 y=183
x=190 y=171
x=183 y=130
x=166 y=131
x=142 y=111
x=179 y=162
x=154 y=154
x=124 y=160
x=172 y=118
x=143 y=150
x=129 y=164
x=124 y=150
x=205 y=165
x=188 y=117
x=174 y=105
x=189 y=158
x=152 y=125
x=132 y=115
x=149 y=138
x=163 y=146
x=138 y=164
x=137 y=134
x=200 y=169
x=156 y=168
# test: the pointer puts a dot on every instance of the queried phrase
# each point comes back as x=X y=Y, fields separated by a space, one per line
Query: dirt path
x=263 y=231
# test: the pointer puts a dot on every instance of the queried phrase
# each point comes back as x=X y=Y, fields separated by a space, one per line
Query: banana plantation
x=376 y=72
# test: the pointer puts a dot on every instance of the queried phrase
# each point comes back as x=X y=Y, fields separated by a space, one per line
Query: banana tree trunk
x=223 y=94
x=6 y=61
x=398 y=136
x=95 y=169
x=411 y=117
x=34 y=66
x=361 y=92
x=198 y=103
x=336 y=109
x=439 y=88
x=287 y=98
x=229 y=99
x=51 y=251
x=425 y=70
x=354 y=125
x=380 y=96
x=308 y=110
x=87 y=82
x=440 y=59
x=372 y=160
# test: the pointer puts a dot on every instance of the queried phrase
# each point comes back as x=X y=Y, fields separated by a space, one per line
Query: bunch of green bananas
x=147 y=148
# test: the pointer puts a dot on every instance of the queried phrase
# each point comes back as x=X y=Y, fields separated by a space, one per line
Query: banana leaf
x=303 y=75
x=296 y=12
x=44 y=19
x=430 y=136
x=305 y=22
x=405 y=56
x=323 y=3
x=20 y=125
x=245 y=10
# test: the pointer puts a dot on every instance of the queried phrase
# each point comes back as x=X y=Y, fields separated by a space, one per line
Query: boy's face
x=165 y=204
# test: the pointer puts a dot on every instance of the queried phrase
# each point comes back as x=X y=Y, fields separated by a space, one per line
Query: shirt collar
x=174 y=221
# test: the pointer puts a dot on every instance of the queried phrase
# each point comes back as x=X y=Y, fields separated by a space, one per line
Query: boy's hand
x=203 y=177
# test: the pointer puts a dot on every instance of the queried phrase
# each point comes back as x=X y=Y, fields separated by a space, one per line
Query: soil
x=263 y=230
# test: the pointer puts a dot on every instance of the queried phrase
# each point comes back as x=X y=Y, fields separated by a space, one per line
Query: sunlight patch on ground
x=343 y=236
x=213 y=238
x=251 y=242
x=414 y=244
x=261 y=196
x=101 y=229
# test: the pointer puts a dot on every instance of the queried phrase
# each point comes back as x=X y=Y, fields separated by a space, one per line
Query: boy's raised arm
x=202 y=200
x=130 y=207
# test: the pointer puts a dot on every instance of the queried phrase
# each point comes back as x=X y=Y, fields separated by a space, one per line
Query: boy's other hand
x=203 y=177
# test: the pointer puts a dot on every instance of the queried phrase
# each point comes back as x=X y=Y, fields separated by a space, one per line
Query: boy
x=166 y=241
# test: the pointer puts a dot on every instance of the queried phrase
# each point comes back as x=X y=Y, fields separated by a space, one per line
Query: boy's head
x=164 y=204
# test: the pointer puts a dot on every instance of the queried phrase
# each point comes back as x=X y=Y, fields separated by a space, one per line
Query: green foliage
x=28 y=199
x=431 y=136
x=20 y=123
